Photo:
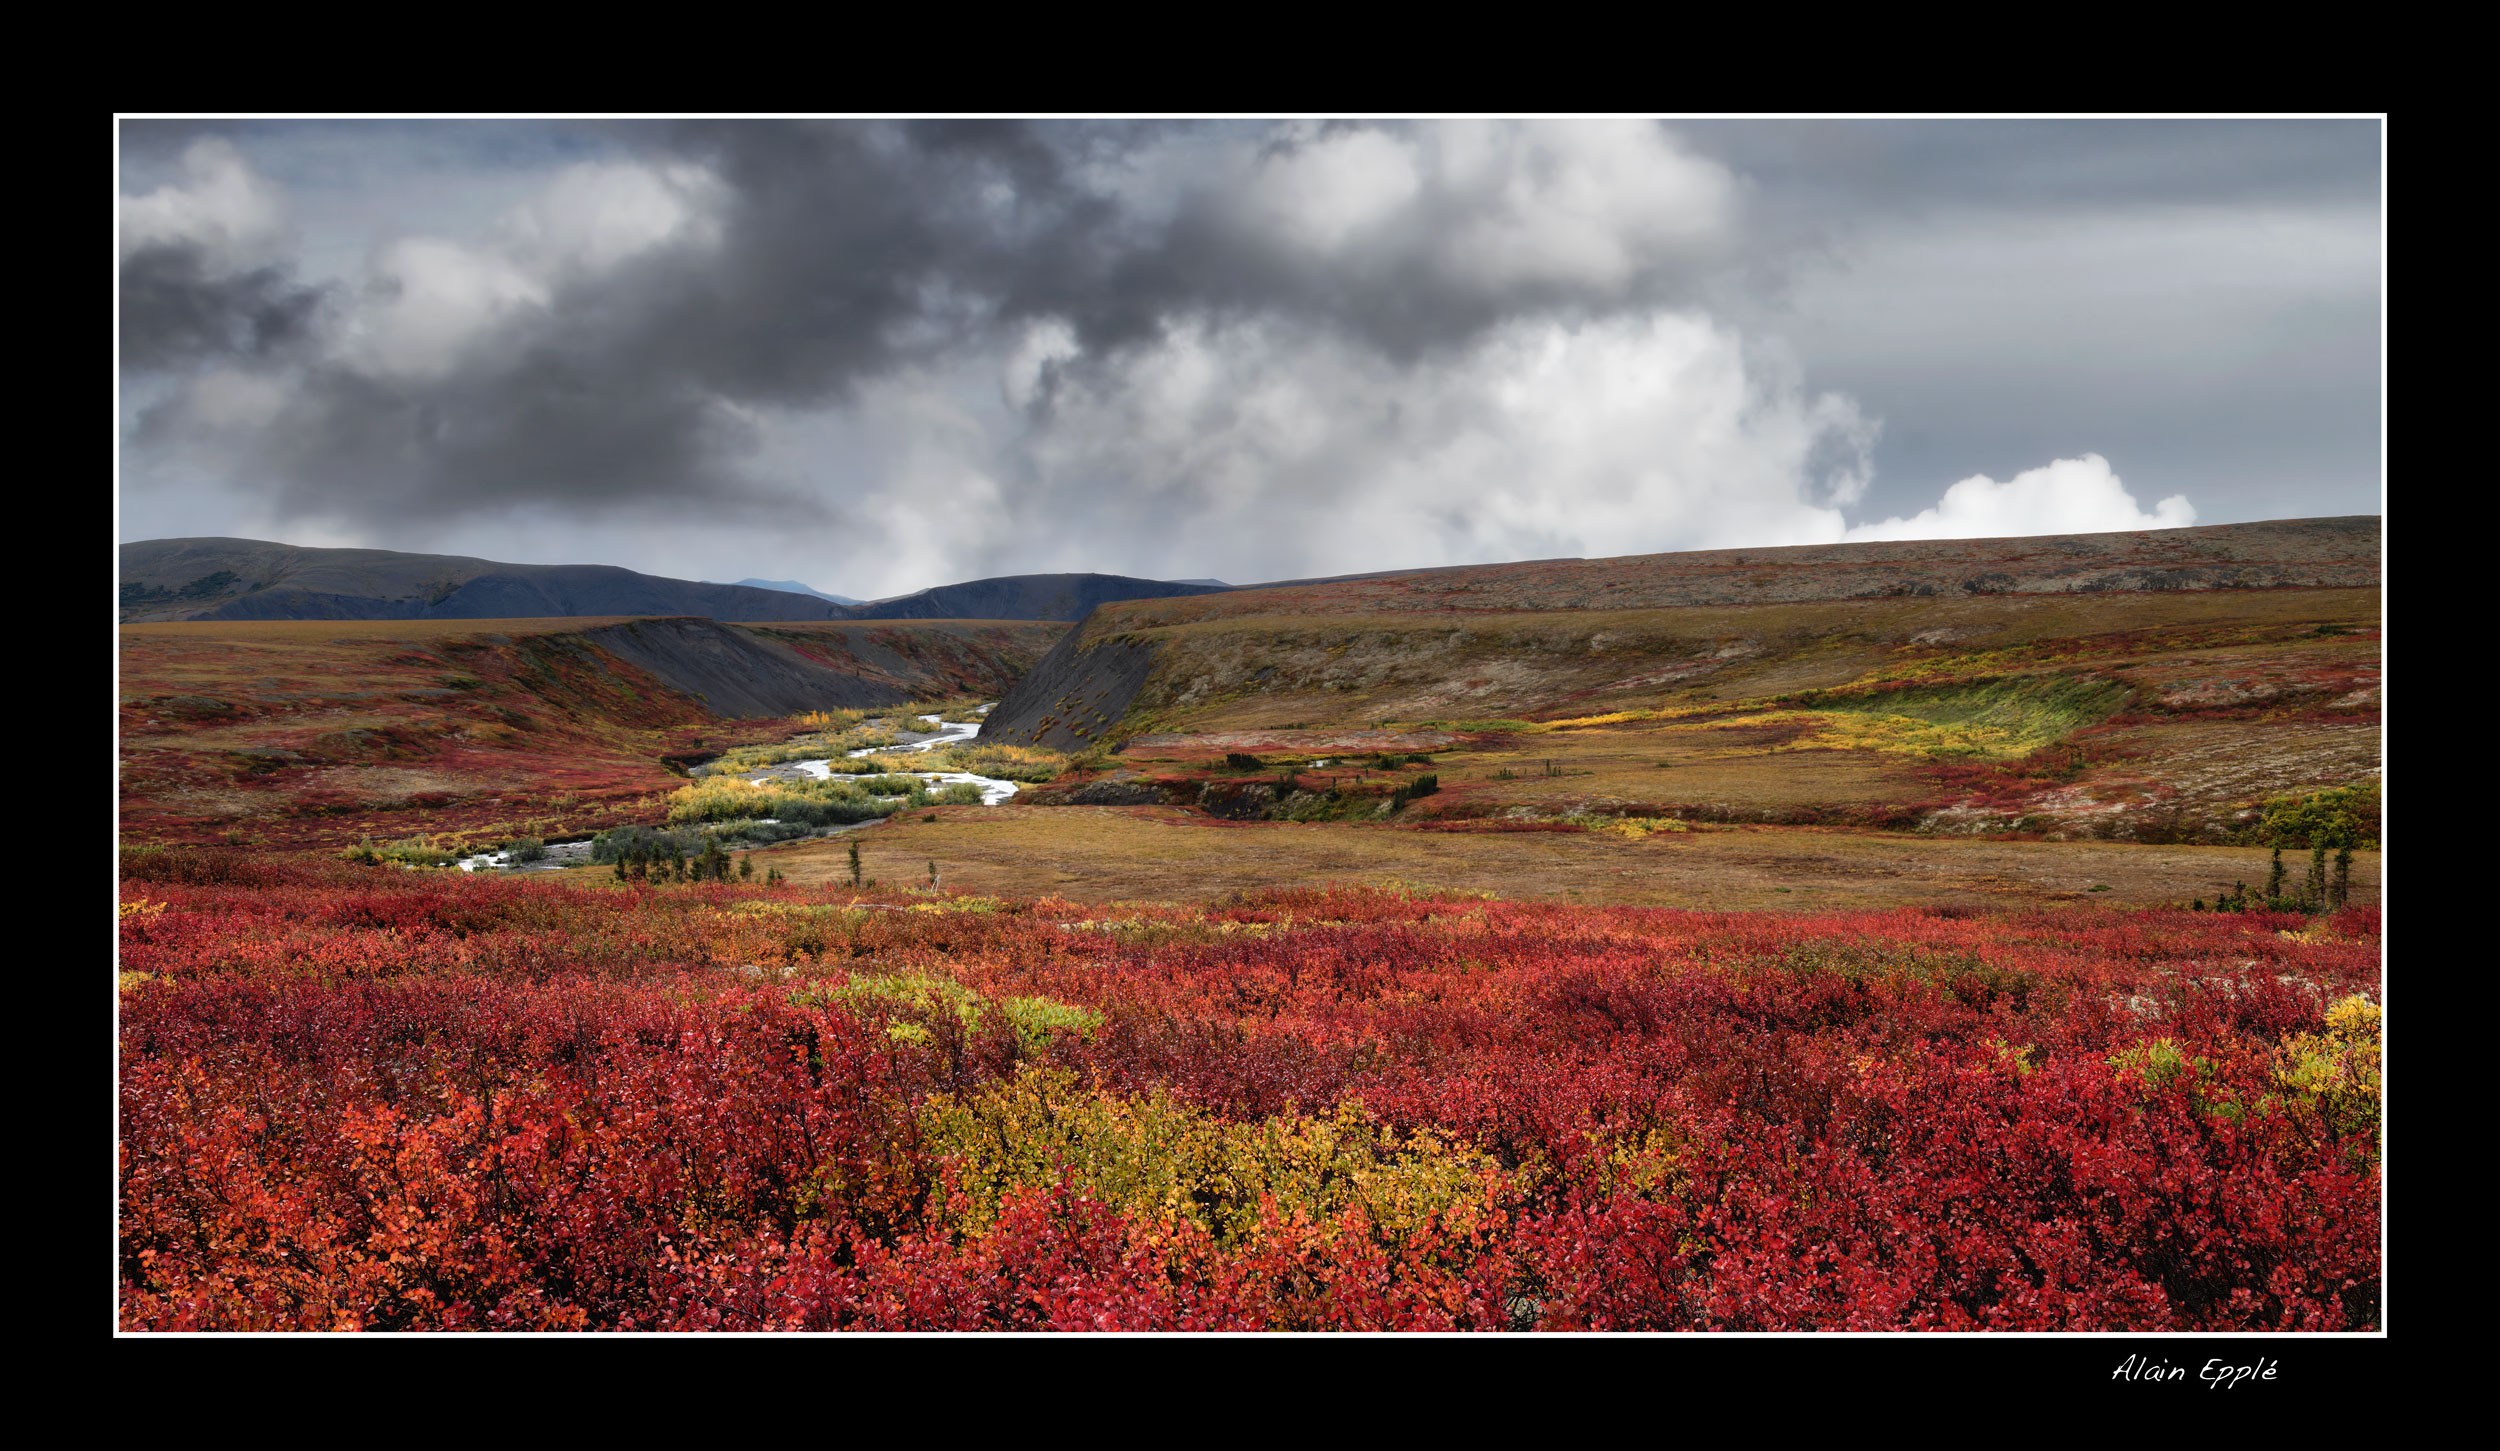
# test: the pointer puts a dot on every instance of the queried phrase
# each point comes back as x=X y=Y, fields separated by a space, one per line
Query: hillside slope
x=251 y=579
x=1414 y=627
x=2159 y=685
x=2337 y=553
x=317 y=732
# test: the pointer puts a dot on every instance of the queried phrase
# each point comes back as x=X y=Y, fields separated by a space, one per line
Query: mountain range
x=254 y=579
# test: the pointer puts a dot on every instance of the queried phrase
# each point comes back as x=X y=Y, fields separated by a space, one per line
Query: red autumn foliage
x=400 y=1100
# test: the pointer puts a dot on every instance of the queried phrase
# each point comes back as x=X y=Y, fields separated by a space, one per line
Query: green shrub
x=2344 y=816
x=413 y=852
x=1002 y=762
x=1424 y=785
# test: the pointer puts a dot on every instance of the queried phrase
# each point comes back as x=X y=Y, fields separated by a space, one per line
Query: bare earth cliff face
x=757 y=671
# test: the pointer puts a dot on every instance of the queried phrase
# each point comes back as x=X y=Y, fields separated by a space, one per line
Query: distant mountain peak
x=792 y=586
x=1022 y=597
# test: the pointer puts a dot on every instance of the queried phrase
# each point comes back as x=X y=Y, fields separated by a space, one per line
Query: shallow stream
x=993 y=791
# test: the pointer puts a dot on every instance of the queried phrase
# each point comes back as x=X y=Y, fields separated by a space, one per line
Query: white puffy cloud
x=427 y=302
x=2069 y=496
x=222 y=209
x=1487 y=206
x=1042 y=346
x=597 y=215
x=1260 y=450
x=1327 y=192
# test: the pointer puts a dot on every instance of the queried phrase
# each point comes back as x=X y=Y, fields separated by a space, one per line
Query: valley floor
x=1803 y=965
x=1165 y=854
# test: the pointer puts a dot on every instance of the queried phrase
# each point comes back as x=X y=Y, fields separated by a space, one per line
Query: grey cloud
x=175 y=308
x=547 y=426
x=1852 y=166
x=845 y=250
x=842 y=258
x=852 y=222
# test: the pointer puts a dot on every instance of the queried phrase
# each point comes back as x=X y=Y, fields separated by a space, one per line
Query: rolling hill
x=313 y=732
x=2149 y=686
x=252 y=579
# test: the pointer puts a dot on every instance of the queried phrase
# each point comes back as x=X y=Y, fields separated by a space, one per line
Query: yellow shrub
x=1645 y=1166
x=1639 y=827
x=1158 y=1159
x=1612 y=717
x=1005 y=762
x=2338 y=1068
x=1898 y=735
x=1033 y=1018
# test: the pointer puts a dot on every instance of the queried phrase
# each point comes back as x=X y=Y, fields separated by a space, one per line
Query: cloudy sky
x=879 y=355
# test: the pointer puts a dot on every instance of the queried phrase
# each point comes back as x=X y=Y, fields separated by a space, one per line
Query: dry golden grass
x=1162 y=854
x=1736 y=766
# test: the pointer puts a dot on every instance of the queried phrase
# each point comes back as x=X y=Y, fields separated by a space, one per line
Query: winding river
x=948 y=733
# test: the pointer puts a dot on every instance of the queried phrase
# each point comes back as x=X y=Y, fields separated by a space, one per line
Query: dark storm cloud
x=176 y=308
x=850 y=244
x=842 y=250
x=836 y=246
x=853 y=224
x=1211 y=260
x=845 y=248
x=821 y=259
x=541 y=428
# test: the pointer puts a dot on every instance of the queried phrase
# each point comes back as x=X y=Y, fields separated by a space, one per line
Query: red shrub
x=401 y=1100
